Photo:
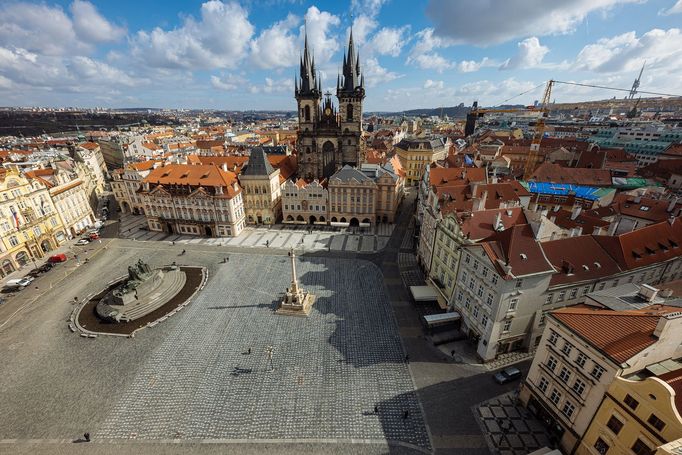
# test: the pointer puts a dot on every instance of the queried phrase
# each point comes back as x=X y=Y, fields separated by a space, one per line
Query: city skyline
x=243 y=55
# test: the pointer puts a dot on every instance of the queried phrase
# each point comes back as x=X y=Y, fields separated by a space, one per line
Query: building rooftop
x=578 y=259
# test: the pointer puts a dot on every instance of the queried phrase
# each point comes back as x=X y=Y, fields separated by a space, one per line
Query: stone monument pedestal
x=296 y=302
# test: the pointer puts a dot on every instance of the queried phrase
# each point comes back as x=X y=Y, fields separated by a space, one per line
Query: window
x=601 y=286
x=579 y=386
x=467 y=303
x=561 y=296
x=586 y=289
x=568 y=347
x=484 y=321
x=601 y=446
x=507 y=325
x=568 y=409
x=581 y=359
x=485 y=272
x=472 y=283
x=597 y=372
x=551 y=363
x=573 y=294
x=464 y=276
x=519 y=283
x=480 y=290
x=475 y=265
x=656 y=422
x=555 y=397
x=615 y=283
x=553 y=337
x=542 y=320
x=542 y=385
x=631 y=402
x=494 y=279
x=548 y=300
x=564 y=374
x=614 y=425
x=476 y=311
x=489 y=299
x=467 y=258
x=640 y=448
x=513 y=304
x=460 y=295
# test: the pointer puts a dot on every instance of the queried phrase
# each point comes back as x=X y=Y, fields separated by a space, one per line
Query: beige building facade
x=417 y=154
x=305 y=203
x=262 y=190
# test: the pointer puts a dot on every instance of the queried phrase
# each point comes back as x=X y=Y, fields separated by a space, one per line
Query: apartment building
x=417 y=154
x=126 y=183
x=305 y=203
x=201 y=200
x=262 y=191
x=583 y=349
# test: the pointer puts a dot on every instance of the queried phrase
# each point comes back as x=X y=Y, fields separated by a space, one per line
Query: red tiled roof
x=618 y=334
x=480 y=225
x=89 y=145
x=646 y=209
x=234 y=163
x=550 y=172
x=286 y=164
x=587 y=222
x=674 y=380
x=654 y=243
x=205 y=175
x=517 y=248
x=452 y=175
x=578 y=259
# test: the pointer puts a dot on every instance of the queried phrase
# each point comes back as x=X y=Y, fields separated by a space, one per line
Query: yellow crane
x=532 y=160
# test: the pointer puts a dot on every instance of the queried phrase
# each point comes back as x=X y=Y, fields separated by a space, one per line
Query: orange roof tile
x=618 y=334
x=198 y=175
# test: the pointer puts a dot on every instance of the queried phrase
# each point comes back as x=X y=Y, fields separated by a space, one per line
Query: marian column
x=296 y=302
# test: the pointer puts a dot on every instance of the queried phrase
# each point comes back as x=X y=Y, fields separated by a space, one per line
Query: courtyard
x=204 y=374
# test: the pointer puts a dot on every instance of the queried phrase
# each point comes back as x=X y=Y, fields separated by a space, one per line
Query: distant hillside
x=452 y=112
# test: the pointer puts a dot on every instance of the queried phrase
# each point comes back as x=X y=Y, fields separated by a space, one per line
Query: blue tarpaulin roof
x=564 y=189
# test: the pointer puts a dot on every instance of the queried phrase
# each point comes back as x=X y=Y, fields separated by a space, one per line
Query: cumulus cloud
x=478 y=23
x=429 y=84
x=376 y=74
x=675 y=9
x=389 y=41
x=321 y=26
x=369 y=8
x=276 y=46
x=218 y=39
x=530 y=55
x=273 y=86
x=470 y=66
x=362 y=27
x=423 y=52
x=626 y=52
x=91 y=25
x=228 y=82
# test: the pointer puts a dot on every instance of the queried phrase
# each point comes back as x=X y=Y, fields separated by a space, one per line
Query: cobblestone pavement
x=322 y=238
x=508 y=428
x=330 y=369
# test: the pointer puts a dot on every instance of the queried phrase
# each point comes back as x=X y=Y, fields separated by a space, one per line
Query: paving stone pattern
x=330 y=369
x=508 y=428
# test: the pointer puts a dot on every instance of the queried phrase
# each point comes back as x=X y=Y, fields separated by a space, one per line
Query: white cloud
x=376 y=74
x=530 y=55
x=91 y=25
x=480 y=23
x=389 y=41
x=432 y=61
x=228 y=82
x=219 y=39
x=429 y=84
x=321 y=26
x=276 y=47
x=675 y=9
x=423 y=55
x=273 y=86
x=362 y=27
x=626 y=52
x=470 y=66
x=370 y=8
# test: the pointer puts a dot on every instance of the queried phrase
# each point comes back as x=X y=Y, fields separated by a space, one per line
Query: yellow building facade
x=637 y=415
x=29 y=223
x=416 y=155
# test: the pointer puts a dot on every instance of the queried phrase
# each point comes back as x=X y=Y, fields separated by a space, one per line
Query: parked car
x=56 y=258
x=507 y=375
x=83 y=242
x=18 y=283
x=35 y=273
x=45 y=267
x=2 y=301
x=94 y=236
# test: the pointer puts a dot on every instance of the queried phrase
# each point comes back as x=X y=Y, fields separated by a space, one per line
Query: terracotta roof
x=646 y=209
x=593 y=159
x=143 y=165
x=654 y=243
x=578 y=259
x=286 y=164
x=517 y=249
x=550 y=172
x=500 y=193
x=673 y=151
x=151 y=146
x=89 y=145
x=564 y=219
x=67 y=187
x=618 y=334
x=452 y=175
x=198 y=175
x=234 y=163
x=481 y=224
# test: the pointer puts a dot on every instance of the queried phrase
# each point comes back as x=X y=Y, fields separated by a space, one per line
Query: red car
x=94 y=236
x=61 y=257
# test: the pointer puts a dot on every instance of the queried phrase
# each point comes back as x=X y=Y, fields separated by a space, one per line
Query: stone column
x=294 y=281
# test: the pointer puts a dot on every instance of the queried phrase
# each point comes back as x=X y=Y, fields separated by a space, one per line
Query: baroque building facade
x=329 y=138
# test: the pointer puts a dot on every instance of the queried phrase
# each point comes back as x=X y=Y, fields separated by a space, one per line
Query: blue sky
x=414 y=53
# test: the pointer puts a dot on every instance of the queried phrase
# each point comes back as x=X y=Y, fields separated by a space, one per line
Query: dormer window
x=597 y=265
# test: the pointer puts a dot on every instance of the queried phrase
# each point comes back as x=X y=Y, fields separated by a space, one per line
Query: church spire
x=308 y=83
x=351 y=67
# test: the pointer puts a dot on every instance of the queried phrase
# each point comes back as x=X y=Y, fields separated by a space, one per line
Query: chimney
x=482 y=199
x=671 y=219
x=224 y=166
x=576 y=211
x=670 y=325
x=672 y=205
x=638 y=199
x=498 y=226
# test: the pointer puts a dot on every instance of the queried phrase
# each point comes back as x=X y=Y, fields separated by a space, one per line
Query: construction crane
x=532 y=160
x=635 y=85
x=475 y=113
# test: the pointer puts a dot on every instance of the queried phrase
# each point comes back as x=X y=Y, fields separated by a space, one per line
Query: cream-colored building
x=352 y=198
x=262 y=190
x=638 y=414
x=200 y=199
x=126 y=182
x=417 y=154
x=29 y=222
x=69 y=197
x=305 y=203
x=582 y=351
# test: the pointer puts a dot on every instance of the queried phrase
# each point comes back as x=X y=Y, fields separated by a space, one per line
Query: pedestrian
x=249 y=351
x=407 y=357
x=86 y=435
x=406 y=414
x=376 y=409
x=173 y=242
x=452 y=353
x=183 y=252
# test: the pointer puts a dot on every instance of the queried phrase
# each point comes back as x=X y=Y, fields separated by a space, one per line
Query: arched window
x=307 y=113
x=349 y=112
